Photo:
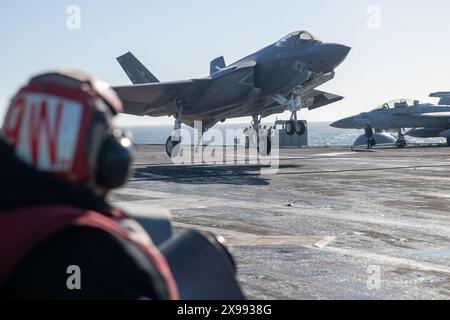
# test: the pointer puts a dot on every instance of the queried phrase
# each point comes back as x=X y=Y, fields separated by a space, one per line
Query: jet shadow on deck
x=206 y=174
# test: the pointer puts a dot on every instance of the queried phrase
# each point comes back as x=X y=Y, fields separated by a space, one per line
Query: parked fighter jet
x=426 y=120
x=279 y=77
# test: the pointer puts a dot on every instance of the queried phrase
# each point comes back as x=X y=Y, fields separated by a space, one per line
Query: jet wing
x=313 y=99
x=157 y=99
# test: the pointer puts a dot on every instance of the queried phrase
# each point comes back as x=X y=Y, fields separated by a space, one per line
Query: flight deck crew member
x=247 y=137
x=369 y=135
x=60 y=156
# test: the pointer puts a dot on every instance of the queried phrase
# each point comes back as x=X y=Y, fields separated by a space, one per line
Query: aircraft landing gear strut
x=173 y=141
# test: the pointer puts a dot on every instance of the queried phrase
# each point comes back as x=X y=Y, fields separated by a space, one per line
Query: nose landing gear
x=293 y=104
x=401 y=140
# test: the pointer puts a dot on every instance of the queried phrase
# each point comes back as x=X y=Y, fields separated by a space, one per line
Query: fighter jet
x=282 y=76
x=425 y=120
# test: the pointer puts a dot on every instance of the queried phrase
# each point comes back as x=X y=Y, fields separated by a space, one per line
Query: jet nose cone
x=338 y=53
x=343 y=49
x=335 y=54
x=347 y=123
x=342 y=52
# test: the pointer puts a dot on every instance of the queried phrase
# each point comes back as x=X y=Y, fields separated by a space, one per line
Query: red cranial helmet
x=60 y=123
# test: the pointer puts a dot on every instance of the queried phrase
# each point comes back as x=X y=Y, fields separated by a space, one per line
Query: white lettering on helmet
x=44 y=130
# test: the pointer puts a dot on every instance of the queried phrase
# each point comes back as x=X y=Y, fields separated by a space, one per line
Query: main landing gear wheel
x=289 y=127
x=172 y=147
x=264 y=145
x=448 y=142
x=300 y=128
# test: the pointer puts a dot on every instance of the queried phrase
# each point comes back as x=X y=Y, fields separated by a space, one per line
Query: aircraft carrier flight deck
x=332 y=224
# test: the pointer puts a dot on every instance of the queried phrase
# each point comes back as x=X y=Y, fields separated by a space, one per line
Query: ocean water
x=319 y=134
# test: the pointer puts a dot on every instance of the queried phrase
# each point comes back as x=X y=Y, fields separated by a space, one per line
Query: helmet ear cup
x=114 y=161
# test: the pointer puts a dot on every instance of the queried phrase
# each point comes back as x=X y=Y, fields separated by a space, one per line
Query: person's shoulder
x=109 y=267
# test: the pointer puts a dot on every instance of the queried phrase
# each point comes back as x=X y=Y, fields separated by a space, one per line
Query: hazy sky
x=400 y=48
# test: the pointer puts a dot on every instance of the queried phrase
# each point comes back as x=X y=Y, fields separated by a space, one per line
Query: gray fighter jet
x=425 y=120
x=282 y=76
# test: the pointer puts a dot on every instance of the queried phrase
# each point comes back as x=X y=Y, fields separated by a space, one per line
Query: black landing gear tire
x=172 y=147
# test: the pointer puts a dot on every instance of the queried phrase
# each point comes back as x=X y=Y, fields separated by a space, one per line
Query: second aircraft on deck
x=425 y=120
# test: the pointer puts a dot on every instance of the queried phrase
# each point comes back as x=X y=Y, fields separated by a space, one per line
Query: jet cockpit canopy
x=399 y=103
x=295 y=39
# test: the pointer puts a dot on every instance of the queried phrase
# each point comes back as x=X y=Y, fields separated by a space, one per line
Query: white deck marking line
x=434 y=253
x=144 y=193
x=308 y=157
x=332 y=154
x=390 y=260
x=324 y=242
x=241 y=239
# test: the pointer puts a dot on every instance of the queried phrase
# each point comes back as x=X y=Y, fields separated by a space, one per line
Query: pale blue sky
x=408 y=57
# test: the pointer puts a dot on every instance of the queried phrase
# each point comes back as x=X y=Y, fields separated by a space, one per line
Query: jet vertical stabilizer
x=444 y=96
x=135 y=70
x=216 y=65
